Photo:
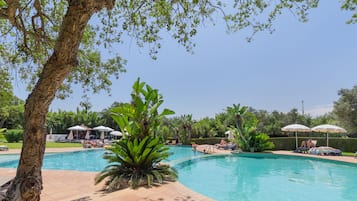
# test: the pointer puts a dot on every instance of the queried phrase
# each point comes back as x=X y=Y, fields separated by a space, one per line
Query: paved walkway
x=60 y=185
x=348 y=159
x=79 y=186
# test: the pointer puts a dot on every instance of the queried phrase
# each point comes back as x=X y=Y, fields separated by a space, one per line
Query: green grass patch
x=348 y=154
x=18 y=145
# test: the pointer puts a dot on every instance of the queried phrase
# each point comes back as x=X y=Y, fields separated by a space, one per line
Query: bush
x=207 y=140
x=262 y=142
x=2 y=137
x=14 y=135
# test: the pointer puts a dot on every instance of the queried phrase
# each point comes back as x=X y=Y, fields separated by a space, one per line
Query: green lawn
x=48 y=145
x=348 y=154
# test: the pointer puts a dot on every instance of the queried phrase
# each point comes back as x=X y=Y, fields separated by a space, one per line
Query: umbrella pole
x=296 y=140
x=327 y=139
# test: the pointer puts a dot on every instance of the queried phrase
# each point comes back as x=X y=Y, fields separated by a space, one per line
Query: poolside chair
x=231 y=146
x=4 y=148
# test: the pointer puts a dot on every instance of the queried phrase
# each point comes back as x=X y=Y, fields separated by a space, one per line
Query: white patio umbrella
x=328 y=128
x=116 y=133
x=76 y=128
x=230 y=135
x=102 y=129
x=296 y=128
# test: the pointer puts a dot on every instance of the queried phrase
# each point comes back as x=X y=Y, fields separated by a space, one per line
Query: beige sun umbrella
x=76 y=128
x=328 y=128
x=296 y=128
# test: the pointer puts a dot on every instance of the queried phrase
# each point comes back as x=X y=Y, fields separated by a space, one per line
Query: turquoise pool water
x=236 y=178
x=232 y=178
x=89 y=160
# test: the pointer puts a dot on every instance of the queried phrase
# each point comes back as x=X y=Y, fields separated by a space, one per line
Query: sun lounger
x=227 y=146
x=325 y=151
x=3 y=148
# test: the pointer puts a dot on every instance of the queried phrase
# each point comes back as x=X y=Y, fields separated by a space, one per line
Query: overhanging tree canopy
x=53 y=44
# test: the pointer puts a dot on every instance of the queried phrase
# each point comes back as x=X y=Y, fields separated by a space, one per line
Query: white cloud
x=320 y=110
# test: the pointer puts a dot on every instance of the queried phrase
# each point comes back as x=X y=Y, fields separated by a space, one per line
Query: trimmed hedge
x=215 y=140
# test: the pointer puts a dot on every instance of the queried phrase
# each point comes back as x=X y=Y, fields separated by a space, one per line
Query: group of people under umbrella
x=324 y=128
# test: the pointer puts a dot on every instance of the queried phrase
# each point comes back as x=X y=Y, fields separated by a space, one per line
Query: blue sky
x=299 y=62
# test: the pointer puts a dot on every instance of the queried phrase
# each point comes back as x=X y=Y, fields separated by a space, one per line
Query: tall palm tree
x=238 y=112
x=187 y=126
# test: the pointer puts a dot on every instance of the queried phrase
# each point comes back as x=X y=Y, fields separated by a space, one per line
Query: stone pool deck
x=62 y=185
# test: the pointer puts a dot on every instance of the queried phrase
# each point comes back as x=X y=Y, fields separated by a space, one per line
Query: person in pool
x=194 y=146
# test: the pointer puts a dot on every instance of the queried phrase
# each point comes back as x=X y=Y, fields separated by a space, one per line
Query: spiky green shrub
x=14 y=135
x=136 y=163
x=135 y=159
x=2 y=137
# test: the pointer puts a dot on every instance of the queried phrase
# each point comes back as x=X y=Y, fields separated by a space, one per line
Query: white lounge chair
x=3 y=148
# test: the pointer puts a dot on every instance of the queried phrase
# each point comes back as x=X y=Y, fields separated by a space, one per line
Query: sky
x=300 y=65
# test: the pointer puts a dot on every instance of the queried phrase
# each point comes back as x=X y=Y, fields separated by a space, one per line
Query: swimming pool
x=89 y=160
x=231 y=178
x=228 y=178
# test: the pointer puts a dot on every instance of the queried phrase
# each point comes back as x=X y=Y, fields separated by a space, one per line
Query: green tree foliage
x=245 y=130
x=136 y=158
x=11 y=107
x=61 y=120
x=345 y=109
x=2 y=136
x=141 y=117
x=55 y=44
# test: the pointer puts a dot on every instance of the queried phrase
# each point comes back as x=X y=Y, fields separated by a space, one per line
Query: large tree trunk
x=27 y=184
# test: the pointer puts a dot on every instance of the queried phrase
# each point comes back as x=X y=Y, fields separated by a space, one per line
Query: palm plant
x=187 y=126
x=136 y=158
x=245 y=130
x=136 y=163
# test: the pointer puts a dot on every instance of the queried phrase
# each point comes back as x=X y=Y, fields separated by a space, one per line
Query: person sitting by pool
x=222 y=144
x=310 y=144
x=303 y=144
x=303 y=148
